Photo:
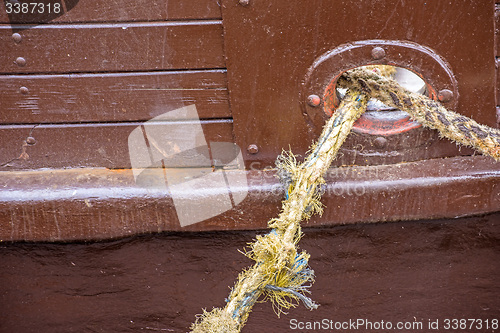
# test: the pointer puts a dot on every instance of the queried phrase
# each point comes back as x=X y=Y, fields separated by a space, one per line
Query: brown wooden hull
x=407 y=271
x=411 y=230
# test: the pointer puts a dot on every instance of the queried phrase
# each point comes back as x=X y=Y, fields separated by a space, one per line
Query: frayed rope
x=280 y=272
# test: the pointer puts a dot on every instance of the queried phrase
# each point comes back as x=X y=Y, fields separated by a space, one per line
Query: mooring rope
x=429 y=113
x=280 y=272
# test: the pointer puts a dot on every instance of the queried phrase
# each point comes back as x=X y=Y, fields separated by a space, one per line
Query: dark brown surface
x=421 y=144
x=74 y=98
x=271 y=45
x=497 y=29
x=407 y=271
x=129 y=10
x=498 y=81
x=91 y=204
x=83 y=145
x=109 y=47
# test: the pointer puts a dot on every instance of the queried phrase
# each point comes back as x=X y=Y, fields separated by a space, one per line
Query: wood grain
x=26 y=99
x=113 y=47
x=116 y=11
x=83 y=145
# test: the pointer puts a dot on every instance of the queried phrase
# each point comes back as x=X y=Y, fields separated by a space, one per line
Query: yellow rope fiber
x=429 y=113
x=280 y=272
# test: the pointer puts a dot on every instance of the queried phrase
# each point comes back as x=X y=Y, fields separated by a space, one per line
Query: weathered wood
x=412 y=271
x=26 y=99
x=101 y=204
x=84 y=145
x=113 y=47
x=78 y=11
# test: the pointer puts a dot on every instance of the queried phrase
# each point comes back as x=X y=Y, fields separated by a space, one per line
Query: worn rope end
x=289 y=286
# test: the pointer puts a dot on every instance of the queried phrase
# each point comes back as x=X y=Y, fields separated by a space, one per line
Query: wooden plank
x=108 y=200
x=26 y=99
x=415 y=272
x=112 y=47
x=84 y=145
x=78 y=11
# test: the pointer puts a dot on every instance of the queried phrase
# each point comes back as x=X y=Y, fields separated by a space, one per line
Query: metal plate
x=321 y=77
x=270 y=45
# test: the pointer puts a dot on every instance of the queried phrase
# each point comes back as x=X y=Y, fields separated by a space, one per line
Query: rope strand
x=426 y=111
x=280 y=272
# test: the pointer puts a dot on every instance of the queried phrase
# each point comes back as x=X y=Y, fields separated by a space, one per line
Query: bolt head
x=20 y=61
x=17 y=37
x=445 y=95
x=313 y=100
x=24 y=90
x=253 y=149
x=378 y=53
x=380 y=142
x=30 y=140
x=244 y=2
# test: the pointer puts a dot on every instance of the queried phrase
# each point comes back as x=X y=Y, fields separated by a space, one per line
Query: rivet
x=445 y=95
x=24 y=90
x=253 y=149
x=17 y=37
x=20 y=61
x=378 y=53
x=244 y=2
x=30 y=140
x=380 y=142
x=313 y=100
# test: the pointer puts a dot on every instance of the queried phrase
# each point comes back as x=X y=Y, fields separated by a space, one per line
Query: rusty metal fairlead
x=280 y=272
